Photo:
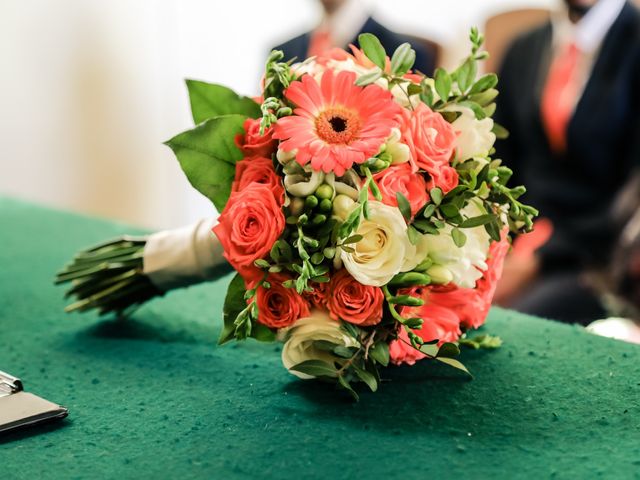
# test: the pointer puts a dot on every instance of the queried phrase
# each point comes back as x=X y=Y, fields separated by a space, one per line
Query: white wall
x=89 y=89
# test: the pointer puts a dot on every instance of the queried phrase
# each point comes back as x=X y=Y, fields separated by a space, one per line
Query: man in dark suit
x=570 y=96
x=342 y=22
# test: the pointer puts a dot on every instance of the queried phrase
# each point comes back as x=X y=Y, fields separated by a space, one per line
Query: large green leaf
x=208 y=156
x=209 y=100
x=234 y=303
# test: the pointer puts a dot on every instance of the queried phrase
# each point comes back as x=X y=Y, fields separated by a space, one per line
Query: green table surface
x=154 y=397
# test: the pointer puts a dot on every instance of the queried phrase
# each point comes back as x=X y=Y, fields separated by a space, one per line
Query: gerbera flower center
x=338 y=125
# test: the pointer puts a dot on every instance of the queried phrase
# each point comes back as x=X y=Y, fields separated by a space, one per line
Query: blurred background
x=91 y=89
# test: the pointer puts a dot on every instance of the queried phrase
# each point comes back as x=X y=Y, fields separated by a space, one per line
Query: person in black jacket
x=570 y=97
x=342 y=22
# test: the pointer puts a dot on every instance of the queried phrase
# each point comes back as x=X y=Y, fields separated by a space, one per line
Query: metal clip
x=9 y=384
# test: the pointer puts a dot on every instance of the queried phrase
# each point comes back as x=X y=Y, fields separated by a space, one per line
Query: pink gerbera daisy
x=336 y=123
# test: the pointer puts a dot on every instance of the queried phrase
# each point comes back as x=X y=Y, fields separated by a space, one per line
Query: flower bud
x=342 y=206
x=324 y=191
x=440 y=275
x=285 y=157
x=296 y=206
x=410 y=279
x=319 y=219
x=311 y=202
x=325 y=205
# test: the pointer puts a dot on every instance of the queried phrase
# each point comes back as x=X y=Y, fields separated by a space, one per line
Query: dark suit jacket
x=425 y=59
x=575 y=190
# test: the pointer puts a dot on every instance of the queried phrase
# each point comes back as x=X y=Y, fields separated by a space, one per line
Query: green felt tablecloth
x=154 y=397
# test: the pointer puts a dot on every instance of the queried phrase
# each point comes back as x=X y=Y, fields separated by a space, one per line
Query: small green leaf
x=369 y=78
x=429 y=210
x=403 y=59
x=352 y=239
x=476 y=221
x=477 y=109
x=373 y=49
x=485 y=82
x=344 y=383
x=261 y=263
x=448 y=350
x=443 y=84
x=404 y=206
x=500 y=131
x=493 y=229
x=449 y=210
x=466 y=74
x=459 y=238
x=413 y=234
x=234 y=303
x=380 y=353
x=452 y=362
x=436 y=195
x=414 y=89
x=367 y=378
x=316 y=368
x=209 y=100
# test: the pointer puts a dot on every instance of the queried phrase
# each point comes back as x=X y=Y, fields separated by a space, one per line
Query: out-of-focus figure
x=342 y=22
x=570 y=97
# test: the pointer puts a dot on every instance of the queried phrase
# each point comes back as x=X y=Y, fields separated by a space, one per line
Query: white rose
x=465 y=264
x=384 y=250
x=299 y=346
x=475 y=137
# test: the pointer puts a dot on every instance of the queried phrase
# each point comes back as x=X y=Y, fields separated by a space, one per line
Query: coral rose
x=248 y=227
x=447 y=179
x=431 y=139
x=278 y=306
x=319 y=296
x=252 y=144
x=354 y=302
x=400 y=178
x=258 y=170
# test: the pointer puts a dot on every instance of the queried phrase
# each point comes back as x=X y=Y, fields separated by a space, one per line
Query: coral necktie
x=559 y=97
x=319 y=43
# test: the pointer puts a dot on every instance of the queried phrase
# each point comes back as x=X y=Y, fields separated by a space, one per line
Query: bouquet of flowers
x=360 y=208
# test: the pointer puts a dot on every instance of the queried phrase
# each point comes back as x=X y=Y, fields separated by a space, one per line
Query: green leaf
x=403 y=59
x=373 y=49
x=436 y=195
x=209 y=100
x=404 y=206
x=429 y=210
x=477 y=109
x=367 y=378
x=493 y=229
x=380 y=353
x=344 y=383
x=234 y=303
x=485 y=82
x=413 y=234
x=448 y=350
x=476 y=221
x=500 y=131
x=443 y=84
x=369 y=78
x=316 y=368
x=459 y=238
x=466 y=74
x=208 y=156
x=262 y=333
x=352 y=239
x=452 y=362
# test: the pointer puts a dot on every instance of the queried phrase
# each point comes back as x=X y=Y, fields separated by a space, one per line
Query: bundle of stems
x=109 y=278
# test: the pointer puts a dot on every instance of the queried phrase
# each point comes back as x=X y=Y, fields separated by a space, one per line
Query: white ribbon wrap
x=182 y=257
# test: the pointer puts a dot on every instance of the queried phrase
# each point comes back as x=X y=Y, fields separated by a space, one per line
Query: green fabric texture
x=154 y=397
